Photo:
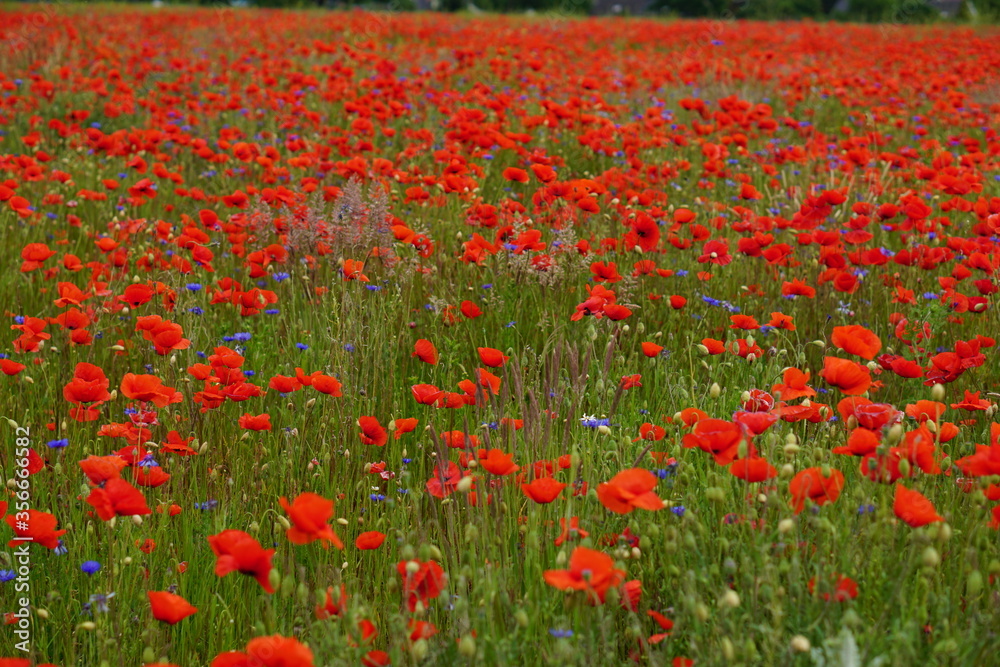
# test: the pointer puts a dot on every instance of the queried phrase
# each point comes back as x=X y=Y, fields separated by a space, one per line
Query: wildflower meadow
x=349 y=338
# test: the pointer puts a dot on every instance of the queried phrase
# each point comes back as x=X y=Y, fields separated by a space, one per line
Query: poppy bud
x=702 y=350
x=254 y=527
x=603 y=430
x=29 y=379
x=930 y=558
x=904 y=468
x=561 y=558
x=465 y=484
x=521 y=617
x=467 y=646
x=287 y=586
x=944 y=532
x=715 y=390
x=419 y=650
x=787 y=471
x=114 y=394
x=636 y=553
x=800 y=644
x=931 y=426
x=284 y=522
x=728 y=650
x=730 y=599
x=87 y=625
x=974 y=584
x=791 y=450
x=136 y=519
x=42 y=614
x=937 y=392
x=701 y=612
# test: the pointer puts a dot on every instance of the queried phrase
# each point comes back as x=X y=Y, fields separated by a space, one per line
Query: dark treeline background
x=895 y=11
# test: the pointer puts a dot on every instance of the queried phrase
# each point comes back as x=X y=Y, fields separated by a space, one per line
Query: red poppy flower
x=543 y=490
x=850 y=377
x=309 y=513
x=497 y=462
x=237 y=551
x=117 y=498
x=372 y=539
x=255 y=422
x=39 y=528
x=628 y=490
x=403 y=426
x=168 y=607
x=590 y=571
x=913 y=507
x=273 y=651
x=491 y=357
x=326 y=384
x=425 y=351
x=651 y=349
x=470 y=310
x=856 y=339
x=811 y=484
x=372 y=433
x=333 y=607
x=422 y=581
x=718 y=437
x=844 y=588
x=752 y=469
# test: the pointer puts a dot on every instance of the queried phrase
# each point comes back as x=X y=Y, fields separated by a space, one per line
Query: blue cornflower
x=58 y=444
x=90 y=567
x=99 y=602
x=678 y=510
x=594 y=422
x=7 y=575
x=147 y=462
